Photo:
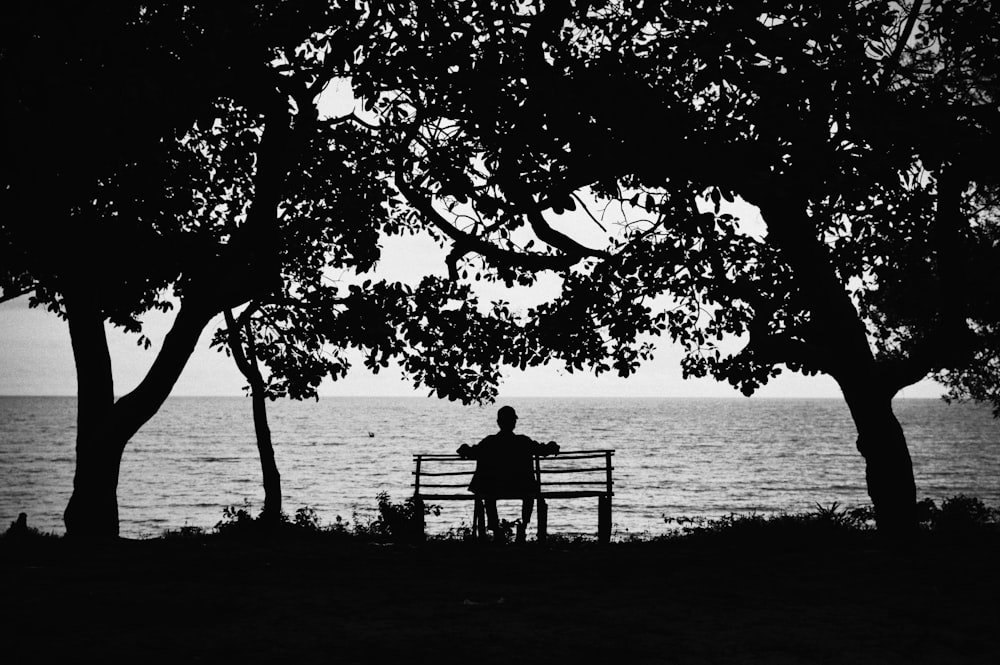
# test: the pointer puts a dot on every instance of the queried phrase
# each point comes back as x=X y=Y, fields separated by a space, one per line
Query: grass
x=814 y=588
x=957 y=516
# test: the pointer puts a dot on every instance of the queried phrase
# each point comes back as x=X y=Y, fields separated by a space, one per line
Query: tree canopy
x=851 y=126
x=860 y=131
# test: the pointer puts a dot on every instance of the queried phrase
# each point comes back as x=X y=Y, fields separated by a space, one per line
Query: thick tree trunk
x=837 y=344
x=104 y=426
x=92 y=511
x=93 y=507
x=888 y=468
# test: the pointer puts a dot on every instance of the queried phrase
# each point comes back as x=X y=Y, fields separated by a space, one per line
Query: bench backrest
x=571 y=472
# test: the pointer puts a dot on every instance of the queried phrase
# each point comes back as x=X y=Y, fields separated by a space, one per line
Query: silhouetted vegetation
x=959 y=516
x=391 y=523
x=687 y=601
x=19 y=531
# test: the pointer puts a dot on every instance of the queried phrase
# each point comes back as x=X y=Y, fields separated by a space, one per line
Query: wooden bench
x=564 y=475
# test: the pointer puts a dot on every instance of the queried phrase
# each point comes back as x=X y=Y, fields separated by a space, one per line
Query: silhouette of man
x=505 y=468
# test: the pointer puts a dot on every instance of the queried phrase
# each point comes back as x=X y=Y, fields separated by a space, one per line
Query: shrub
x=186 y=532
x=307 y=519
x=238 y=520
x=399 y=522
x=823 y=523
x=958 y=514
x=20 y=531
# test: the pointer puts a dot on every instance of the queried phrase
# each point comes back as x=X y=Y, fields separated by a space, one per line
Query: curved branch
x=133 y=410
x=904 y=37
x=465 y=243
x=452 y=262
x=559 y=240
x=353 y=118
x=235 y=341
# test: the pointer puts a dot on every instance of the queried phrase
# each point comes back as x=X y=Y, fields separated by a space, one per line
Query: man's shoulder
x=489 y=443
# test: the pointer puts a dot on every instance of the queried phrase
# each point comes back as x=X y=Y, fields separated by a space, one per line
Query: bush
x=20 y=531
x=824 y=521
x=307 y=519
x=959 y=514
x=186 y=532
x=396 y=522
x=238 y=520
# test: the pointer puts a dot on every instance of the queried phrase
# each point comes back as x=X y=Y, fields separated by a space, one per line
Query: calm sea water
x=675 y=457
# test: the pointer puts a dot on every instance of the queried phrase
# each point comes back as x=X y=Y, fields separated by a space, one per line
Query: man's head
x=507 y=418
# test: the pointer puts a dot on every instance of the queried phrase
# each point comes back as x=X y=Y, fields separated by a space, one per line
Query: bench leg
x=419 y=529
x=543 y=520
x=479 y=519
x=604 y=519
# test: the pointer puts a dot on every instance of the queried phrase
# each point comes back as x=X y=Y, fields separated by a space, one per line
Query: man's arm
x=543 y=449
x=465 y=451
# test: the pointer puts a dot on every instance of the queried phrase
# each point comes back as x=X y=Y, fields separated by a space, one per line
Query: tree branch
x=11 y=296
x=772 y=349
x=466 y=243
x=950 y=341
x=235 y=342
x=353 y=118
x=904 y=37
x=136 y=408
x=560 y=241
x=587 y=210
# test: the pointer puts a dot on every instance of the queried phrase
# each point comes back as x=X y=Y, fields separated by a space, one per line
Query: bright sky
x=36 y=358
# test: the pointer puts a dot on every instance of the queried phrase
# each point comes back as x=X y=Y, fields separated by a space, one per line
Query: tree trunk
x=888 y=468
x=246 y=361
x=104 y=426
x=93 y=507
x=268 y=465
x=838 y=345
x=92 y=511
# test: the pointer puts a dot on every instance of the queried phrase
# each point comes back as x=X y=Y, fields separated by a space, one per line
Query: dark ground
x=702 y=601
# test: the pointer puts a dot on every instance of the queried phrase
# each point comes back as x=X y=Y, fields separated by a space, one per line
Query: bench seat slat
x=602 y=469
x=573 y=482
x=544 y=495
x=580 y=454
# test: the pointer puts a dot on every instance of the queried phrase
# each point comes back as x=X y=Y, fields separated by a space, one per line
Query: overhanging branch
x=558 y=240
x=467 y=243
x=904 y=37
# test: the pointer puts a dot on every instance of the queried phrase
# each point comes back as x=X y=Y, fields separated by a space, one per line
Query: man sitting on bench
x=505 y=468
